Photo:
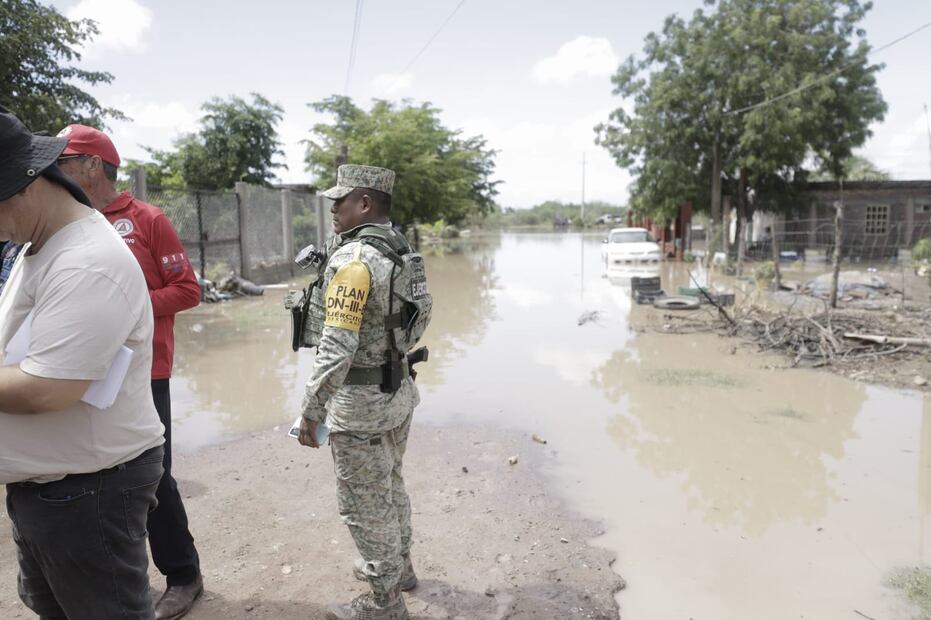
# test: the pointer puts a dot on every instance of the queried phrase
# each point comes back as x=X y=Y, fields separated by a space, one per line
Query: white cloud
x=900 y=147
x=173 y=116
x=122 y=24
x=153 y=124
x=386 y=84
x=583 y=56
x=543 y=161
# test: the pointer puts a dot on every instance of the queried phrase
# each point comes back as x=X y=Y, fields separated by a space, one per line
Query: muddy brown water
x=729 y=487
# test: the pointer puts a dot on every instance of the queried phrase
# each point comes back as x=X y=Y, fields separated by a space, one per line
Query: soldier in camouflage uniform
x=368 y=425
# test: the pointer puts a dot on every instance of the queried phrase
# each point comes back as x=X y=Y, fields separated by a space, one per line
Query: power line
x=427 y=44
x=823 y=78
x=356 y=24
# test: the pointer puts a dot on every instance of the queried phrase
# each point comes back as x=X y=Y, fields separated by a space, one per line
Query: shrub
x=921 y=253
x=765 y=272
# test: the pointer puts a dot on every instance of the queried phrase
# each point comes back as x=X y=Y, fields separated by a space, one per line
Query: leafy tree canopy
x=237 y=141
x=855 y=168
x=691 y=99
x=440 y=173
x=40 y=85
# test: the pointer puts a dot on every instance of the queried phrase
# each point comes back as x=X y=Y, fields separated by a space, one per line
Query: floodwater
x=729 y=488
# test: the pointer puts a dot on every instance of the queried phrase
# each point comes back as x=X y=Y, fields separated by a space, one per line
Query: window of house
x=877 y=219
x=923 y=208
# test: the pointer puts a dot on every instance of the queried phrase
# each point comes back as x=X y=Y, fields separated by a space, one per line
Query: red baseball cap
x=84 y=140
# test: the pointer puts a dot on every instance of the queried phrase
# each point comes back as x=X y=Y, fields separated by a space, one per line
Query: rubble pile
x=846 y=339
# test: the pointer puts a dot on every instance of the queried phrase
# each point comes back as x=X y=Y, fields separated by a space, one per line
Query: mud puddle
x=728 y=489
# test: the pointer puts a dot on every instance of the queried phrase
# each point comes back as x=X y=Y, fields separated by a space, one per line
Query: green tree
x=440 y=173
x=37 y=46
x=855 y=168
x=165 y=174
x=694 y=100
x=237 y=141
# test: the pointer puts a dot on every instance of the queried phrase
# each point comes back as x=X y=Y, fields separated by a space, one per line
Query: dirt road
x=491 y=541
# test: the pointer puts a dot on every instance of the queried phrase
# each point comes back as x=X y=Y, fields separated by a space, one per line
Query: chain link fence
x=251 y=231
x=863 y=239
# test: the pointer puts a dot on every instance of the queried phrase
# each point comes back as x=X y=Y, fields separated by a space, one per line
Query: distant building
x=880 y=218
x=675 y=238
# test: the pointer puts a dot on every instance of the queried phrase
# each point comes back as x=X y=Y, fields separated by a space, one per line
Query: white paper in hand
x=323 y=431
x=101 y=393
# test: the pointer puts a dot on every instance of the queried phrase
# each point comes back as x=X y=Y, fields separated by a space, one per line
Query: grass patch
x=786 y=412
x=915 y=583
x=677 y=377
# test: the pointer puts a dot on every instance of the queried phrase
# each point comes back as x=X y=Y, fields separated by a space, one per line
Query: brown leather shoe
x=178 y=600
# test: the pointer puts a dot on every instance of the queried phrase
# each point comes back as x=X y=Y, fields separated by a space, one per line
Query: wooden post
x=320 y=207
x=777 y=278
x=726 y=230
x=715 y=204
x=838 y=243
x=139 y=185
x=813 y=224
x=741 y=236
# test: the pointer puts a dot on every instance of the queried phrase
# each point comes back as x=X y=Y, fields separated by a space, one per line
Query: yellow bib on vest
x=346 y=295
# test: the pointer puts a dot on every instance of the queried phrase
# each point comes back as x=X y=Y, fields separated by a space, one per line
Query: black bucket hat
x=24 y=155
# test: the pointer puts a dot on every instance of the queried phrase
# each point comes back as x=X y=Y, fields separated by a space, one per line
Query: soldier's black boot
x=407 y=581
x=371 y=606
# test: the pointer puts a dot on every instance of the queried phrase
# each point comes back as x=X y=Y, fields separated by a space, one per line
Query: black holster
x=392 y=372
x=298 y=321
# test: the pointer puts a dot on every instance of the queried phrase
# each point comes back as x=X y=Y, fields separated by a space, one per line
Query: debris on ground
x=591 y=316
x=850 y=285
x=227 y=288
x=209 y=292
x=890 y=346
x=538 y=439
x=235 y=285
x=512 y=460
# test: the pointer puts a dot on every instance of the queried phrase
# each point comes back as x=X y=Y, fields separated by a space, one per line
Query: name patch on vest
x=418 y=288
x=346 y=296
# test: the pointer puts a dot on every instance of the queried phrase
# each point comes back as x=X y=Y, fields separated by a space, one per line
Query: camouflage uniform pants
x=372 y=499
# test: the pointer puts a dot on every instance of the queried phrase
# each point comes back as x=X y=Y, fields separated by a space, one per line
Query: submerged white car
x=629 y=247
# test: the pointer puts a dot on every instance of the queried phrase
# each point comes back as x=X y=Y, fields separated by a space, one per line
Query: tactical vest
x=410 y=305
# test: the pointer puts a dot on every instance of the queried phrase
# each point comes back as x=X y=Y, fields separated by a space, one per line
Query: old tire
x=677 y=302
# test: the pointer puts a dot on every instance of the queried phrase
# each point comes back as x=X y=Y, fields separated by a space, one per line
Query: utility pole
x=582 y=216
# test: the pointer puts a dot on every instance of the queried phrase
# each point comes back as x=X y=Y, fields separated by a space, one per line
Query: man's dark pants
x=80 y=542
x=172 y=545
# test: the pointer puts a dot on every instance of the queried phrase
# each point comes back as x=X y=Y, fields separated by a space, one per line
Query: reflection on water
x=728 y=489
x=746 y=453
x=463 y=276
x=235 y=371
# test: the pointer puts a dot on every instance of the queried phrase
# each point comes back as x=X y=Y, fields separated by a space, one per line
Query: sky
x=531 y=76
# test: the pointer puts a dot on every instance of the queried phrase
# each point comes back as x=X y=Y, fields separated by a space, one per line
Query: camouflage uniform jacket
x=359 y=408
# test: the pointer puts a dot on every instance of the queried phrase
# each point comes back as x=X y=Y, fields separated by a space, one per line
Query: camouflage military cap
x=352 y=176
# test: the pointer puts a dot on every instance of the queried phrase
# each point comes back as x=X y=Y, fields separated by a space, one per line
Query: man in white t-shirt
x=80 y=480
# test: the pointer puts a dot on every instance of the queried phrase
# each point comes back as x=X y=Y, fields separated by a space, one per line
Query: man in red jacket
x=92 y=161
